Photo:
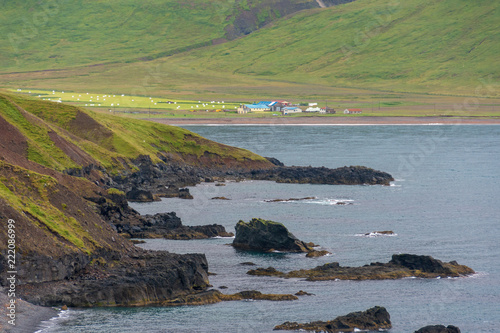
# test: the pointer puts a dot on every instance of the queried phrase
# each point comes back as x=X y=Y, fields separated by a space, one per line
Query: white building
x=311 y=109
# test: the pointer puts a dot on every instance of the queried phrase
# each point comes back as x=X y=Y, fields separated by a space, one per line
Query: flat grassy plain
x=377 y=104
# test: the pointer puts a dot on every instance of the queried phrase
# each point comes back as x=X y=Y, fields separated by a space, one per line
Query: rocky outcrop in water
x=166 y=179
x=353 y=175
x=266 y=236
x=439 y=329
x=129 y=223
x=373 y=319
x=401 y=265
x=215 y=296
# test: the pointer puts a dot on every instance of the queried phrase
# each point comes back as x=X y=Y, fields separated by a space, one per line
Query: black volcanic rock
x=376 y=318
x=138 y=195
x=274 y=161
x=264 y=235
x=144 y=278
x=168 y=225
x=401 y=266
x=353 y=175
x=425 y=264
x=439 y=329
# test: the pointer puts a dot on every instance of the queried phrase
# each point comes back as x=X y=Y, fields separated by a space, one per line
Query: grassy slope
x=55 y=34
x=434 y=46
x=38 y=35
x=29 y=192
x=106 y=138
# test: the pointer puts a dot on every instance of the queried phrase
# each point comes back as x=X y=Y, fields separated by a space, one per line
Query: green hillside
x=55 y=34
x=442 y=46
x=445 y=47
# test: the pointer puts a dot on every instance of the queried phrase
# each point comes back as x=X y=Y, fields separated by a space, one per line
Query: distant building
x=311 y=109
x=242 y=110
x=290 y=109
x=313 y=104
x=327 y=110
x=276 y=106
x=352 y=111
x=258 y=107
x=283 y=102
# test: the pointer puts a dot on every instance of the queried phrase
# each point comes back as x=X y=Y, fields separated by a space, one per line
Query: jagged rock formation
x=373 y=319
x=400 y=266
x=439 y=329
x=127 y=222
x=264 y=235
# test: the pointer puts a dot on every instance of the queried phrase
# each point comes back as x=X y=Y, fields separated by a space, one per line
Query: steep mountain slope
x=55 y=34
x=433 y=46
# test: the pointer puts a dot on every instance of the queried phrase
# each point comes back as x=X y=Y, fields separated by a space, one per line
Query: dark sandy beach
x=28 y=316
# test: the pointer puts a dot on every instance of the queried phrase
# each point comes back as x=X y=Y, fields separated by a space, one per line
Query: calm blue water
x=443 y=203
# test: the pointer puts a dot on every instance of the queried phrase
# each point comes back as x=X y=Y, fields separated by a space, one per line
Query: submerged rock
x=247 y=263
x=315 y=253
x=264 y=235
x=215 y=296
x=439 y=329
x=220 y=198
x=303 y=293
x=291 y=199
x=376 y=318
x=380 y=233
x=401 y=265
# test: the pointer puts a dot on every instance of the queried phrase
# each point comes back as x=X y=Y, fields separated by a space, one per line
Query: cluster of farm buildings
x=287 y=108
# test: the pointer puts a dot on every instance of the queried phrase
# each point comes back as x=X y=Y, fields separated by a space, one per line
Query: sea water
x=444 y=202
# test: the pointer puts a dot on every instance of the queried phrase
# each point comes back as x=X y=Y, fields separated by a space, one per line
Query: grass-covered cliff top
x=61 y=136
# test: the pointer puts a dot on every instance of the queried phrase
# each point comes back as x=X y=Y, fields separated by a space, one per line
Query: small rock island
x=267 y=236
x=400 y=266
x=373 y=319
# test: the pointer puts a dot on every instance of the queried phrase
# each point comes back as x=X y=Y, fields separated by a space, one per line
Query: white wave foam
x=375 y=234
x=47 y=324
x=229 y=237
x=477 y=275
x=325 y=202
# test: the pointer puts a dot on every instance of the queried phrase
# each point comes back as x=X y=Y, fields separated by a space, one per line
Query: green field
x=372 y=105
x=119 y=102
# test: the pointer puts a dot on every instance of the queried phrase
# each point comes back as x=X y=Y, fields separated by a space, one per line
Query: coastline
x=330 y=121
x=29 y=317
